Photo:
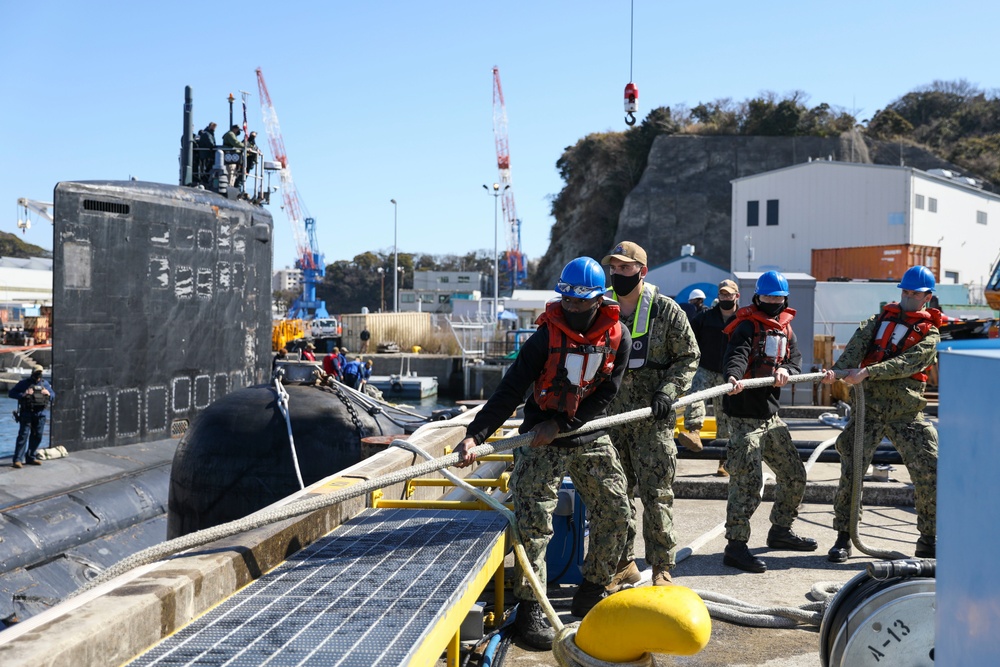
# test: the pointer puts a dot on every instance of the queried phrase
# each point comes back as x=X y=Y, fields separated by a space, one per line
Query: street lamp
x=395 y=261
x=381 y=273
x=496 y=249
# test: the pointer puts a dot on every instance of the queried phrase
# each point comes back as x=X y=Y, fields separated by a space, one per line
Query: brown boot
x=691 y=440
x=627 y=573
x=722 y=472
x=661 y=577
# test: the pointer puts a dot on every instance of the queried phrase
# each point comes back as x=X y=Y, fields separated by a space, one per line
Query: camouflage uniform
x=694 y=414
x=894 y=404
x=750 y=441
x=646 y=447
x=589 y=459
x=756 y=434
x=598 y=478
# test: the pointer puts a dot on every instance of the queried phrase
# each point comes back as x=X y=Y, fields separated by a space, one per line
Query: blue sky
x=382 y=100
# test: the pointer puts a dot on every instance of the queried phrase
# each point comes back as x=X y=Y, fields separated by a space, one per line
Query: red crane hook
x=631 y=103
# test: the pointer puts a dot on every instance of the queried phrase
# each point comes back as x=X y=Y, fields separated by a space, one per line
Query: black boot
x=737 y=555
x=841 y=549
x=783 y=538
x=587 y=595
x=926 y=547
x=532 y=625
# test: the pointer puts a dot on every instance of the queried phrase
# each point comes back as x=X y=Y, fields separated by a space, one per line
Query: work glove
x=661 y=405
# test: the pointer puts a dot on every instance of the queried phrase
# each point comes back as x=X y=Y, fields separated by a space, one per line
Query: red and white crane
x=515 y=259
x=308 y=257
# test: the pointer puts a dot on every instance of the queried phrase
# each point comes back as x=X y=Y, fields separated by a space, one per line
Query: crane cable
x=630 y=116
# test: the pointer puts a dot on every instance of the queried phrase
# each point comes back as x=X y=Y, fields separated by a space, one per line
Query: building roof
x=688 y=258
x=34 y=263
x=955 y=182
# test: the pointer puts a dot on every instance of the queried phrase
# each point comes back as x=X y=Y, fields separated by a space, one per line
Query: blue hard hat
x=918 y=279
x=583 y=278
x=772 y=283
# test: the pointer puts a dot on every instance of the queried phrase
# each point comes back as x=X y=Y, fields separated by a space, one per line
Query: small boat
x=405 y=386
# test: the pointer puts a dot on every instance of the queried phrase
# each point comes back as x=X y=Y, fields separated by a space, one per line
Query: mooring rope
x=742 y=613
x=857 y=479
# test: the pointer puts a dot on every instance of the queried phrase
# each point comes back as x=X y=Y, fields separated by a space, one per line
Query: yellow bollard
x=670 y=620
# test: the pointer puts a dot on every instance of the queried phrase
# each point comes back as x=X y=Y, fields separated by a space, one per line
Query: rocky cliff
x=684 y=195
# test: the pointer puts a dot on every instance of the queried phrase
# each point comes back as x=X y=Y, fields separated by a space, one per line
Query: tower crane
x=308 y=257
x=29 y=206
x=515 y=260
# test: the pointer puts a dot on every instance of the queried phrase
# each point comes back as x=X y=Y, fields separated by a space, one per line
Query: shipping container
x=877 y=262
x=404 y=329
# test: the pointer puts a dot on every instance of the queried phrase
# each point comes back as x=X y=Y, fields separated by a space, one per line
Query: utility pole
x=395 y=261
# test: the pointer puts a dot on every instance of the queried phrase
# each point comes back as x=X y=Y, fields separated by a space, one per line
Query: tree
x=888 y=124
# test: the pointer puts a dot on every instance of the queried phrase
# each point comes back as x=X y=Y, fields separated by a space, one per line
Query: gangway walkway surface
x=387 y=587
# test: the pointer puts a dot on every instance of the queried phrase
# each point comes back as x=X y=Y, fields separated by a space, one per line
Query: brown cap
x=626 y=251
x=728 y=286
x=310 y=346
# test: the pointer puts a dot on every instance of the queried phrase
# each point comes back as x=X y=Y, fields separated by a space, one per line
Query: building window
x=406 y=298
x=463 y=279
x=981 y=217
x=444 y=298
x=951 y=277
x=920 y=202
x=932 y=204
x=772 y=212
x=426 y=298
x=753 y=213
x=688 y=267
x=443 y=279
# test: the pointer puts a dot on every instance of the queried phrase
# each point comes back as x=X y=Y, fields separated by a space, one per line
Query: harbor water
x=8 y=427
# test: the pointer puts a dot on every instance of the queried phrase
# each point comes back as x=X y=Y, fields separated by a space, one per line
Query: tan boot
x=691 y=440
x=722 y=472
x=661 y=577
x=627 y=573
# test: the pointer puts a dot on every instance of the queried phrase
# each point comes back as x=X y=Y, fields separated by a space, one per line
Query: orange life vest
x=577 y=362
x=897 y=331
x=769 y=345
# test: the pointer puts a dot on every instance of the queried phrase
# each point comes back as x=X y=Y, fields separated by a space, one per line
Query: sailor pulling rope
x=565 y=650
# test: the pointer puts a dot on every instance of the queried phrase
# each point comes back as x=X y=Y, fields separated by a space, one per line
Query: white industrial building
x=780 y=216
x=436 y=291
x=286 y=280
x=25 y=286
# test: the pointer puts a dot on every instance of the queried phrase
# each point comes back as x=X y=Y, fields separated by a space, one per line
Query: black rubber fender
x=235 y=458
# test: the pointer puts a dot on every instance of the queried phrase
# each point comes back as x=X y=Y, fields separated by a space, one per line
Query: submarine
x=161 y=312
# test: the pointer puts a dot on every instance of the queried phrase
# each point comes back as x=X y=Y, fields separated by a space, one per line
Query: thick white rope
x=283 y=408
x=519 y=552
x=307 y=505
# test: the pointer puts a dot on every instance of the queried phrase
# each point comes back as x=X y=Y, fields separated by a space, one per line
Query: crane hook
x=630 y=119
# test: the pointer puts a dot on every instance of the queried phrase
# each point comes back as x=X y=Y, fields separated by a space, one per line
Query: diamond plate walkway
x=388 y=587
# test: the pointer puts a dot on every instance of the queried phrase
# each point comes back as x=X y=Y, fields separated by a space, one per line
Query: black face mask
x=580 y=321
x=727 y=305
x=624 y=285
x=771 y=309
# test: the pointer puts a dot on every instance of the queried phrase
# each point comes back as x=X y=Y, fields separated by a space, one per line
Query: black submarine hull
x=161 y=306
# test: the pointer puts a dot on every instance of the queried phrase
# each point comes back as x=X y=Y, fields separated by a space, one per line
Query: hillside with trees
x=671 y=172
x=349 y=285
x=12 y=246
